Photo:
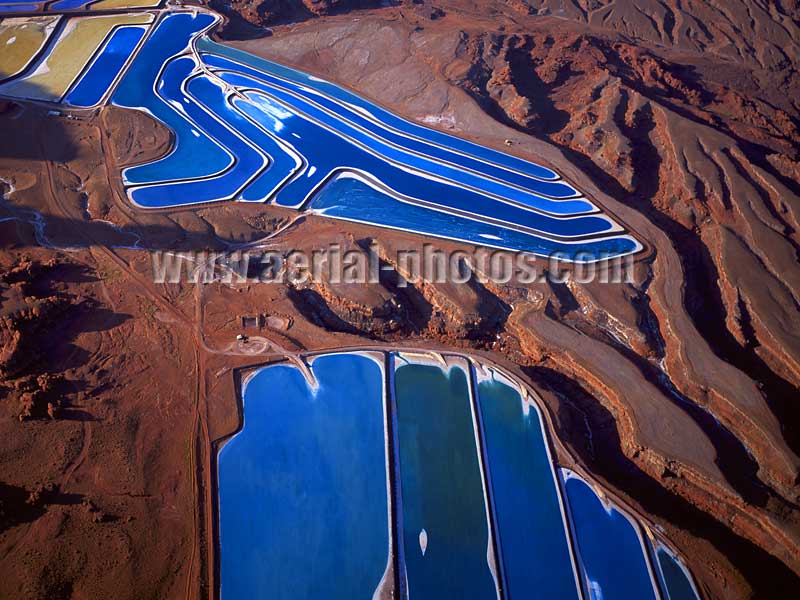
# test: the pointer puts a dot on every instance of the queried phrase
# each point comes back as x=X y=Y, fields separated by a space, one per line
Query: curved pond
x=611 y=552
x=673 y=576
x=248 y=129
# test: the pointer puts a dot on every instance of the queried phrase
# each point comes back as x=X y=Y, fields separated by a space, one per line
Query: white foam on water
x=423 y=541
x=595 y=590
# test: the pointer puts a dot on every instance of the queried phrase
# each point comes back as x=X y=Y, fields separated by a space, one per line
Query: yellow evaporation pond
x=21 y=40
x=109 y=4
x=75 y=47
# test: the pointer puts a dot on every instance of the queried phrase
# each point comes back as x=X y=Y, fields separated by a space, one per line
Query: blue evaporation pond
x=609 y=548
x=352 y=199
x=328 y=114
x=285 y=136
x=9 y=7
x=207 y=102
x=329 y=151
x=676 y=583
x=95 y=82
x=444 y=524
x=68 y=4
x=194 y=155
x=303 y=487
x=454 y=146
x=529 y=523
x=407 y=149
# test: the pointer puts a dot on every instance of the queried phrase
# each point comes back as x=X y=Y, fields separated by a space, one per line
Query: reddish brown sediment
x=677 y=390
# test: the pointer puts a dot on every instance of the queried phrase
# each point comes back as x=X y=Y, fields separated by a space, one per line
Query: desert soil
x=678 y=392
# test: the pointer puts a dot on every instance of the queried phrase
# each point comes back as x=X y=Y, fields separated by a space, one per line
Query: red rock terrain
x=678 y=391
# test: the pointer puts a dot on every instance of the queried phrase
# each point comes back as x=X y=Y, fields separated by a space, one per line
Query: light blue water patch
x=673 y=578
x=194 y=155
x=530 y=528
x=611 y=555
x=453 y=146
x=444 y=525
x=203 y=93
x=352 y=199
x=112 y=58
x=328 y=151
x=302 y=488
x=341 y=117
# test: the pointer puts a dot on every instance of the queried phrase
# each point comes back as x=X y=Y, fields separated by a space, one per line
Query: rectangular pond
x=303 y=494
x=417 y=475
x=445 y=529
x=531 y=528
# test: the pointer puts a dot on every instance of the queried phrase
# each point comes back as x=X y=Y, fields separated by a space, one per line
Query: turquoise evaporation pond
x=529 y=522
x=303 y=507
x=611 y=555
x=441 y=488
x=675 y=583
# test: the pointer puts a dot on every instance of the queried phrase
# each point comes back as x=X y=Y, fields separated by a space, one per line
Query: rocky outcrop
x=269 y=12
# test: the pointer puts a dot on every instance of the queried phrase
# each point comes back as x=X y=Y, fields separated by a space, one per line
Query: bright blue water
x=284 y=139
x=328 y=151
x=440 y=483
x=502 y=166
x=194 y=154
x=205 y=98
x=68 y=5
x=614 y=564
x=95 y=82
x=284 y=161
x=351 y=199
x=403 y=148
x=302 y=488
x=304 y=504
x=673 y=580
x=529 y=526
x=9 y=7
x=456 y=174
